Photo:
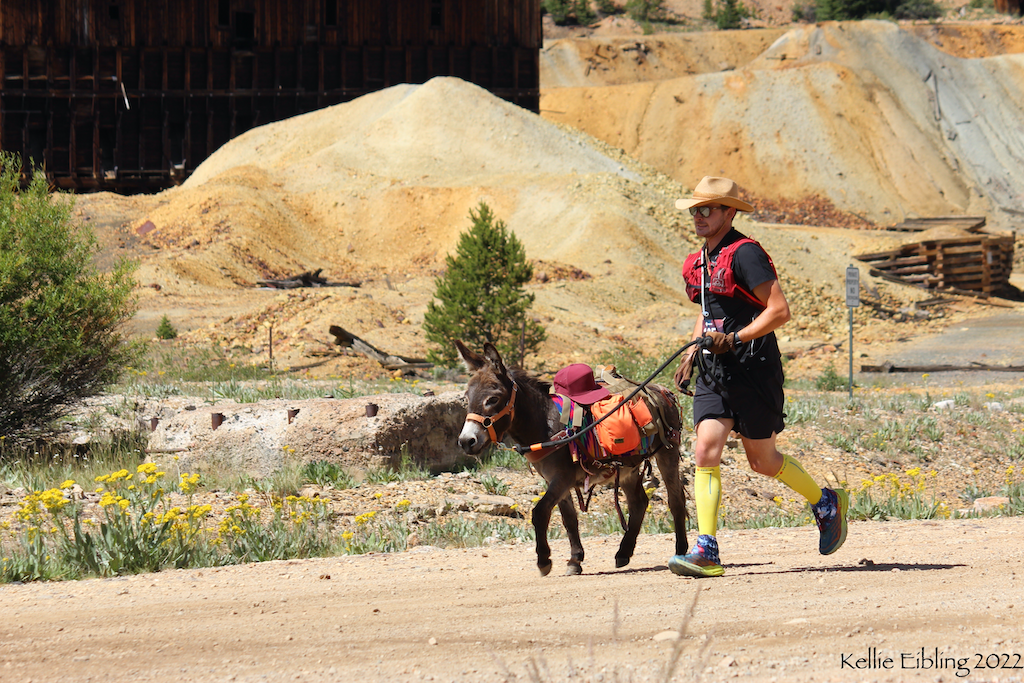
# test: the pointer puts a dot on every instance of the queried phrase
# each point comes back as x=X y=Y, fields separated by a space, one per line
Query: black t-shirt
x=751 y=268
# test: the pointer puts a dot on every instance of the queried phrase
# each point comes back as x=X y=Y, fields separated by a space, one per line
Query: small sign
x=852 y=287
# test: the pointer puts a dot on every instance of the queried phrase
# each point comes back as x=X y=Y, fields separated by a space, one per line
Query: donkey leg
x=541 y=518
x=571 y=522
x=636 y=503
x=668 y=465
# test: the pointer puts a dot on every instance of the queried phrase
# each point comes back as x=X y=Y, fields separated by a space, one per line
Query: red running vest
x=722 y=280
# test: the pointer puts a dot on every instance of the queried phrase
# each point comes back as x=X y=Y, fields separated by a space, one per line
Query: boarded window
x=437 y=14
x=245 y=29
x=223 y=12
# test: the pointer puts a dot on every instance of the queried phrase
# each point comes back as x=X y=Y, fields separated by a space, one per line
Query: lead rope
x=523 y=450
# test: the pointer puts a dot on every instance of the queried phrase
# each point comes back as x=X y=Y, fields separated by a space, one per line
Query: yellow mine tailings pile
x=866 y=114
x=378 y=190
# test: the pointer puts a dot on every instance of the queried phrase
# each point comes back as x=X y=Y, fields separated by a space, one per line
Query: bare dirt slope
x=866 y=114
x=881 y=609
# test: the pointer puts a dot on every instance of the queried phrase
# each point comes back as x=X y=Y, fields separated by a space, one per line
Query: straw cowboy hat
x=712 y=190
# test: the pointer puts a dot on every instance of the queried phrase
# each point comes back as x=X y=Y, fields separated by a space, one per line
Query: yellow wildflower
x=365 y=517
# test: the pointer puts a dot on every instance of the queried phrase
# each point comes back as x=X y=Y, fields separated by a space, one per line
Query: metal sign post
x=852 y=301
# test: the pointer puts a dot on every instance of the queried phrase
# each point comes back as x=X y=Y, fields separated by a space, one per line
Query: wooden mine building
x=132 y=95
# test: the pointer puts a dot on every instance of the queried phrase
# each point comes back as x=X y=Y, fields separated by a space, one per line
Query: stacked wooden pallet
x=974 y=263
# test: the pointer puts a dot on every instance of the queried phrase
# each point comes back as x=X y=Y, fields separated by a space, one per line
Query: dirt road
x=879 y=610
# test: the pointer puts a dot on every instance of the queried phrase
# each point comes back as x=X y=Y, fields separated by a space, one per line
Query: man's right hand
x=718 y=342
x=685 y=371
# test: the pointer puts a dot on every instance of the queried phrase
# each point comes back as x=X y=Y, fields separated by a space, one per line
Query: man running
x=742 y=304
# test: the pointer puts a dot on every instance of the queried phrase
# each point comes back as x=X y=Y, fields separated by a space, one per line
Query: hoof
x=574 y=569
x=621 y=562
x=544 y=570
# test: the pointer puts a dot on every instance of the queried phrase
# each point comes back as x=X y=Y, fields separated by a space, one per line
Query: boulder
x=257 y=439
x=990 y=503
x=501 y=506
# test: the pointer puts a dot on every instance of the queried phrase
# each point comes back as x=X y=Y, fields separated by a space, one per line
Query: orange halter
x=488 y=422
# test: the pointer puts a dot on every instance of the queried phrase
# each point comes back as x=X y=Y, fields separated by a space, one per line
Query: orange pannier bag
x=620 y=432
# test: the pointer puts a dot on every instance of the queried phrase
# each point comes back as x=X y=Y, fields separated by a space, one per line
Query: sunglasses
x=704 y=210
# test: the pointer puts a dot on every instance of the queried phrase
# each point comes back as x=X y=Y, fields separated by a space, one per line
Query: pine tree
x=480 y=297
x=729 y=14
x=166 y=330
x=558 y=9
x=644 y=10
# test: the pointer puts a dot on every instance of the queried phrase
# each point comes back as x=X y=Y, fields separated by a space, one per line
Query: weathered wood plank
x=968 y=223
x=973 y=367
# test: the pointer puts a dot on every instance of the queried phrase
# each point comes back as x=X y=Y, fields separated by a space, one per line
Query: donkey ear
x=473 y=361
x=492 y=355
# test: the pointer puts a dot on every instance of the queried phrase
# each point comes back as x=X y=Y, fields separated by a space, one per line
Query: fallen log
x=389 y=361
x=306 y=279
x=973 y=367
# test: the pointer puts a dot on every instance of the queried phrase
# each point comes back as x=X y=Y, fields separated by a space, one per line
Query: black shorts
x=753 y=398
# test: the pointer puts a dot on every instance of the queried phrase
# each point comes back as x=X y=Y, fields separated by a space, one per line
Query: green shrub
x=296 y=526
x=805 y=13
x=326 y=473
x=584 y=15
x=165 y=330
x=891 y=496
x=729 y=14
x=1016 y=450
x=508 y=458
x=644 y=10
x=829 y=380
x=562 y=11
x=918 y=9
x=494 y=485
x=842 y=10
x=558 y=9
x=62 y=321
x=480 y=297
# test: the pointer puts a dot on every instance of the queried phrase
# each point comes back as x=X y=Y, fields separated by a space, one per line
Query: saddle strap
x=664 y=433
x=570 y=413
x=618 y=508
x=585 y=504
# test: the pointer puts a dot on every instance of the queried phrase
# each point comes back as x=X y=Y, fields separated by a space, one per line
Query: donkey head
x=491 y=394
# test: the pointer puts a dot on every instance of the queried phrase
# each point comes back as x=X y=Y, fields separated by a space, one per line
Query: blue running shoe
x=830 y=513
x=702 y=561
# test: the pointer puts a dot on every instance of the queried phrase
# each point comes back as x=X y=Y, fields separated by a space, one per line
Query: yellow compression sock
x=707 y=494
x=795 y=477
